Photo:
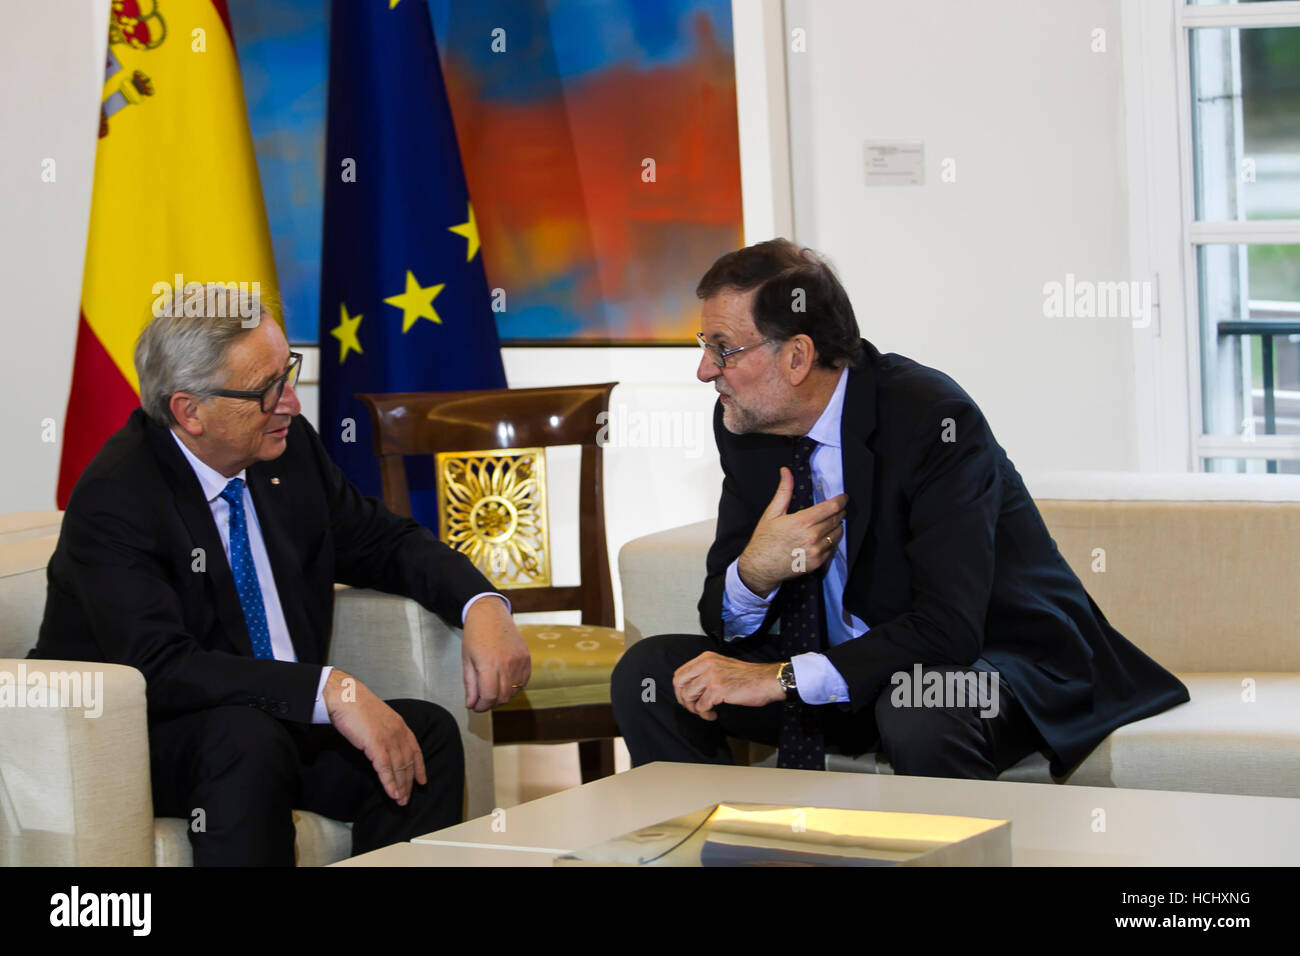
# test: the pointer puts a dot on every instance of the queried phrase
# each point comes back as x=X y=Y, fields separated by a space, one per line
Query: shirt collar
x=211 y=481
x=826 y=430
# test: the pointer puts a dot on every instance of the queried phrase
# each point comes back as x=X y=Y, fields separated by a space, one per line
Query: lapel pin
x=275 y=481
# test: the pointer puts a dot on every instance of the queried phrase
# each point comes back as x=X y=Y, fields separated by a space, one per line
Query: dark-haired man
x=867 y=509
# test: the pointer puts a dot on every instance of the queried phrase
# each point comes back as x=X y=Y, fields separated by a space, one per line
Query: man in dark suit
x=923 y=608
x=201 y=546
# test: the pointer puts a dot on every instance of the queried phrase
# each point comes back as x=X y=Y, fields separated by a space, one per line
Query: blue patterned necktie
x=245 y=572
x=801 y=743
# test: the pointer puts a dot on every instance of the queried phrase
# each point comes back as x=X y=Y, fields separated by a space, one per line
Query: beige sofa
x=74 y=789
x=1200 y=571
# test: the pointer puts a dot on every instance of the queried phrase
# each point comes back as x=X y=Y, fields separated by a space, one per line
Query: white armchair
x=75 y=789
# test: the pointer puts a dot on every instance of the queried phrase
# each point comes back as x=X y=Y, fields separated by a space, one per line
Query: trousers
x=247 y=771
x=926 y=741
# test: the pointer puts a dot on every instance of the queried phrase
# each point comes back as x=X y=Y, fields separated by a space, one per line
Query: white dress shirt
x=213 y=483
x=816 y=678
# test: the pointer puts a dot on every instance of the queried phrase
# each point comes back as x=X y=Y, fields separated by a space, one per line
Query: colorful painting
x=558 y=105
x=600 y=145
x=283 y=50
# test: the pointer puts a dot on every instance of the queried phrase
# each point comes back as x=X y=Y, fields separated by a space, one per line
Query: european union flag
x=404 y=300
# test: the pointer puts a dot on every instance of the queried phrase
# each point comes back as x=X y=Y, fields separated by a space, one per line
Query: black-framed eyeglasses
x=269 y=397
x=718 y=355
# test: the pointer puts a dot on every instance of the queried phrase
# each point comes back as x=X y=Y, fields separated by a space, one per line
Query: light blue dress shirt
x=743 y=611
x=213 y=483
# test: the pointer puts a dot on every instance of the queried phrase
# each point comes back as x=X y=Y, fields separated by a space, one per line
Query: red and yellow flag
x=176 y=193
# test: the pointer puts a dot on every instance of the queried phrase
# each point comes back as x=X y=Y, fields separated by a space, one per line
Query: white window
x=1217 y=221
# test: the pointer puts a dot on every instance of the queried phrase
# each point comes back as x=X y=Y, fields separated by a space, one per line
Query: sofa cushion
x=1176 y=561
x=1218 y=742
x=24 y=525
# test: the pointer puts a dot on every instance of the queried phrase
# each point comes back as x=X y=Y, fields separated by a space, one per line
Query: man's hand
x=769 y=558
x=376 y=730
x=495 y=656
x=711 y=679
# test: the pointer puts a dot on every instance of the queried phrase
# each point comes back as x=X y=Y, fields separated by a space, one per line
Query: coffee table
x=1051 y=825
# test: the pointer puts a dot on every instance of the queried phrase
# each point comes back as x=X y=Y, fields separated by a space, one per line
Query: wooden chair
x=489 y=456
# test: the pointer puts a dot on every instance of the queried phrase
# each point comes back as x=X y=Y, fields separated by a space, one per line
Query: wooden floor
x=528 y=771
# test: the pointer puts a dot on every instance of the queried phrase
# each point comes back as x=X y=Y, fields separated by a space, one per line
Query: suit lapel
x=197 y=517
x=857 y=422
x=284 y=549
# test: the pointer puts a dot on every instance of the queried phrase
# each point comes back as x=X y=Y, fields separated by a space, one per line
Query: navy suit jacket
x=126 y=584
x=948 y=561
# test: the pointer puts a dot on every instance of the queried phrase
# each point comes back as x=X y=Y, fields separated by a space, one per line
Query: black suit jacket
x=948 y=561
x=123 y=585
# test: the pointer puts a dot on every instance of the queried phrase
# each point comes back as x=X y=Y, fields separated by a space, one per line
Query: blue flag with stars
x=404 y=300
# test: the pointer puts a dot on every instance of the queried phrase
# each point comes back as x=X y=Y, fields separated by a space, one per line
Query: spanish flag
x=176 y=199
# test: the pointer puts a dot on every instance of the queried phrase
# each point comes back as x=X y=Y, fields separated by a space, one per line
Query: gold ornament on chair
x=492 y=508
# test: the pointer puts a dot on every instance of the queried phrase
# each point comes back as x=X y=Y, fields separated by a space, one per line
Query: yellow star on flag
x=393 y=3
x=416 y=302
x=469 y=230
x=346 y=333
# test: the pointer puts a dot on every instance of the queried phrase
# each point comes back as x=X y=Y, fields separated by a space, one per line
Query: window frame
x=1164 y=233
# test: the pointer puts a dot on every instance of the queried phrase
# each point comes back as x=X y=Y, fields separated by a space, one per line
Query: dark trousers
x=247 y=771
x=918 y=741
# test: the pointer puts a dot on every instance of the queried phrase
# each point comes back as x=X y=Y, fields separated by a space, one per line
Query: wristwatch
x=785 y=675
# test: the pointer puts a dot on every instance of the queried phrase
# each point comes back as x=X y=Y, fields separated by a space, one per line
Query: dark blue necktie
x=245 y=572
x=801 y=743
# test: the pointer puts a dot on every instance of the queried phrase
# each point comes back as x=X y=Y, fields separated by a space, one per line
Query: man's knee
x=632 y=669
x=246 y=738
x=433 y=725
x=914 y=729
x=644 y=673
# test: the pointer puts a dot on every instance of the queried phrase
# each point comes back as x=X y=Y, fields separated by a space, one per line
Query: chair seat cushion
x=1221 y=741
x=572 y=665
x=318 y=841
x=1218 y=742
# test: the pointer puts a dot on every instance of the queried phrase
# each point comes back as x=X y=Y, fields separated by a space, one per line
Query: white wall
x=51 y=73
x=951 y=274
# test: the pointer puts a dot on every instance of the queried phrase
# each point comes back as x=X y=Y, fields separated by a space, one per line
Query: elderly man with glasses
x=201 y=546
x=880 y=580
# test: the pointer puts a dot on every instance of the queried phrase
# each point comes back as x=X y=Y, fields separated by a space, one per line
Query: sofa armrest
x=399 y=649
x=74 y=765
x=662 y=576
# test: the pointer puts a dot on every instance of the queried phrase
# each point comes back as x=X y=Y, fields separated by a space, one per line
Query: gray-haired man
x=245 y=720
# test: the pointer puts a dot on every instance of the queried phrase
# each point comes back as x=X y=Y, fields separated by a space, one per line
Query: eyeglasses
x=269 y=397
x=718 y=355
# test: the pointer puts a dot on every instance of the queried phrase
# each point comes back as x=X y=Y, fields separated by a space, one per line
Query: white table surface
x=1051 y=825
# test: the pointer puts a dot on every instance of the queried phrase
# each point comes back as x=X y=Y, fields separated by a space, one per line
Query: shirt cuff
x=817 y=680
x=320 y=714
x=477 y=597
x=742 y=610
